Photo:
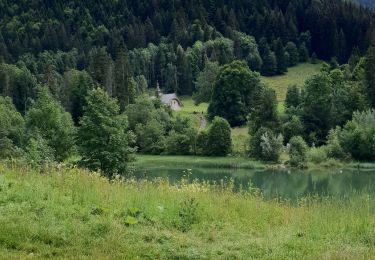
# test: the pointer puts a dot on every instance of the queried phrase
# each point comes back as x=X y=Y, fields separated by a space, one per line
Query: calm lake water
x=289 y=185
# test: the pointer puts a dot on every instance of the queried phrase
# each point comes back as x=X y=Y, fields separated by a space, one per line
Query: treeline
x=141 y=43
x=106 y=139
x=35 y=26
x=333 y=113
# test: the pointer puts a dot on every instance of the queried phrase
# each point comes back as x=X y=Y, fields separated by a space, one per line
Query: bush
x=177 y=144
x=219 y=139
x=317 y=155
x=297 y=151
x=150 y=137
x=271 y=146
x=292 y=127
x=358 y=136
x=11 y=128
x=334 y=148
x=48 y=119
x=202 y=142
x=188 y=215
x=265 y=145
x=38 y=153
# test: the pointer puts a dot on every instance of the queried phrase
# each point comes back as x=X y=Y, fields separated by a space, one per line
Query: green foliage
x=264 y=110
x=12 y=128
x=48 y=119
x=271 y=147
x=303 y=53
x=316 y=113
x=297 y=151
x=233 y=93
x=334 y=147
x=150 y=137
x=79 y=83
x=266 y=145
x=17 y=83
x=370 y=74
x=38 y=152
x=219 y=140
x=177 y=144
x=188 y=215
x=280 y=57
x=270 y=65
x=206 y=82
x=314 y=58
x=292 y=127
x=317 y=155
x=293 y=54
x=124 y=85
x=358 y=136
x=202 y=143
x=293 y=96
x=105 y=143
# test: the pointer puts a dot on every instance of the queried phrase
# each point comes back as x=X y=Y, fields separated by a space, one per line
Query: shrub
x=265 y=145
x=334 y=148
x=292 y=127
x=38 y=153
x=358 y=136
x=202 y=140
x=317 y=155
x=297 y=151
x=219 y=139
x=177 y=144
x=11 y=128
x=48 y=119
x=271 y=146
x=188 y=215
x=150 y=137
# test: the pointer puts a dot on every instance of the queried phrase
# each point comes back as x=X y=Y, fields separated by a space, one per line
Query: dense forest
x=368 y=3
x=169 y=42
x=75 y=74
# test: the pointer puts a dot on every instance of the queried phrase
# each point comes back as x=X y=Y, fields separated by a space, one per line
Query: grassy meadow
x=63 y=213
x=152 y=161
x=295 y=76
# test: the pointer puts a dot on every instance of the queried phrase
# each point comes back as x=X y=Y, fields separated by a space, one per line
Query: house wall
x=174 y=104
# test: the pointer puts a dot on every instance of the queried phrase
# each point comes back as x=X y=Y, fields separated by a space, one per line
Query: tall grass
x=76 y=214
x=189 y=162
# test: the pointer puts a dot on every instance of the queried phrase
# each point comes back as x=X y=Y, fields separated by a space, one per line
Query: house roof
x=167 y=98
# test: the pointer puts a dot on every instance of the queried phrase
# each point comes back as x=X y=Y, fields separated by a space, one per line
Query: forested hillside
x=78 y=74
x=168 y=42
x=368 y=3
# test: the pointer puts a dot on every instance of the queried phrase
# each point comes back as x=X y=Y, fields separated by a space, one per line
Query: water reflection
x=279 y=184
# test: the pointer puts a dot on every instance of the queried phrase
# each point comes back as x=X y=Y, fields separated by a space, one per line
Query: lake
x=288 y=185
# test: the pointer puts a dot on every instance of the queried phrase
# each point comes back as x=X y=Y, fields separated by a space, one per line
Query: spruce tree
x=370 y=74
x=280 y=57
x=123 y=85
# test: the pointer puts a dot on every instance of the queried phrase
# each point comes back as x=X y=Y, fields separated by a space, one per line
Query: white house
x=170 y=100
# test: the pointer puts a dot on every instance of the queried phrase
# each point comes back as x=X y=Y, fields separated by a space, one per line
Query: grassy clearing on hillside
x=296 y=75
x=78 y=215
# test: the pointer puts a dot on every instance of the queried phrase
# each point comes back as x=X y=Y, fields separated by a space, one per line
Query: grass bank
x=190 y=162
x=79 y=215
